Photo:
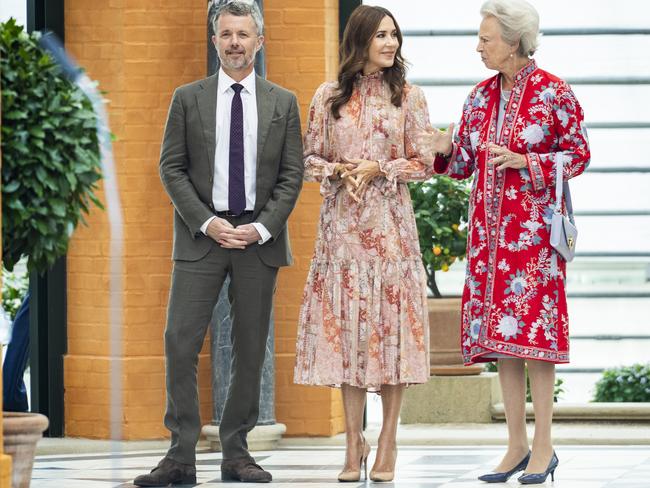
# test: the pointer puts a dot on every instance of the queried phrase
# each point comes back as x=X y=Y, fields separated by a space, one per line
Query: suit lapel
x=265 y=109
x=206 y=100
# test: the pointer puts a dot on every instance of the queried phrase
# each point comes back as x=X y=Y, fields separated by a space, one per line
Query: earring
x=511 y=54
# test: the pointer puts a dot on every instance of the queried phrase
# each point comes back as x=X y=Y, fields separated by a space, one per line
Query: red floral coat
x=514 y=300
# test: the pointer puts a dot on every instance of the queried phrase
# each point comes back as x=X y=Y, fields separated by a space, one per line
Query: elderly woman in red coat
x=514 y=302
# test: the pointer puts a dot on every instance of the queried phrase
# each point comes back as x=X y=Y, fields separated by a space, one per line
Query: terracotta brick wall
x=139 y=51
x=302 y=53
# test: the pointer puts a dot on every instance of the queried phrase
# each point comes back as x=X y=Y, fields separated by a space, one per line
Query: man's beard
x=240 y=63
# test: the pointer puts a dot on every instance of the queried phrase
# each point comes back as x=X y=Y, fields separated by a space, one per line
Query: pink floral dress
x=363 y=319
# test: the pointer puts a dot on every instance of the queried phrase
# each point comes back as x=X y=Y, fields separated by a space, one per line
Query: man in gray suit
x=231 y=162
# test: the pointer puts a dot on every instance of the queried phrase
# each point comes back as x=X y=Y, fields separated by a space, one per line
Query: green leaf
x=58 y=207
x=50 y=152
x=37 y=132
x=10 y=187
x=15 y=115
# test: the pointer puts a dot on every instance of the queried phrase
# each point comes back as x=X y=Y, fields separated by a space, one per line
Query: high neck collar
x=524 y=72
x=377 y=75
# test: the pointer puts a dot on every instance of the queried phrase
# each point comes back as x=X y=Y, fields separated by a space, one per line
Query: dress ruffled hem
x=372 y=388
x=363 y=323
x=480 y=354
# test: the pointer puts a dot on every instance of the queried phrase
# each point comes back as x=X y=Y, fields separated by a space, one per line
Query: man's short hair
x=240 y=9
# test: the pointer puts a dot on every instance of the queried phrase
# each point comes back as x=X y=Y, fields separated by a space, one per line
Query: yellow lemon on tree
x=437 y=251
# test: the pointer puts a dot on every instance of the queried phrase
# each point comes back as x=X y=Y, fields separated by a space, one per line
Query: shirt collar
x=225 y=82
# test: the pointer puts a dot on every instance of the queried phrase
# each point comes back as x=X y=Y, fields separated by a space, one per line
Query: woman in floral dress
x=514 y=302
x=363 y=322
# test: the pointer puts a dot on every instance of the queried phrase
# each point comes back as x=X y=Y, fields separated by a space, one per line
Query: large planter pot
x=21 y=432
x=444 y=339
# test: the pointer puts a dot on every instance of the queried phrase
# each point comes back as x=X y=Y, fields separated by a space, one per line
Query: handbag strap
x=561 y=185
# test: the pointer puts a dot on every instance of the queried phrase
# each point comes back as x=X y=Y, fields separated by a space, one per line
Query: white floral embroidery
x=548 y=95
x=475 y=328
x=563 y=116
x=503 y=266
x=508 y=326
x=583 y=131
x=511 y=193
x=473 y=138
x=532 y=134
x=532 y=226
x=518 y=285
x=479 y=100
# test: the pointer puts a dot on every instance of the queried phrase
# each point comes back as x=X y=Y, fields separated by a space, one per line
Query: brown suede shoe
x=168 y=472
x=244 y=469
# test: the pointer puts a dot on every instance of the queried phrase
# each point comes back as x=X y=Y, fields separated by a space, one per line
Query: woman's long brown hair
x=357 y=37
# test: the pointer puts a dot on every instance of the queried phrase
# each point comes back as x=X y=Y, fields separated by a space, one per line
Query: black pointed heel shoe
x=503 y=477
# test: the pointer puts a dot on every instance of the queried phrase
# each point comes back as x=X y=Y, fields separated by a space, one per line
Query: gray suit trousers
x=194 y=292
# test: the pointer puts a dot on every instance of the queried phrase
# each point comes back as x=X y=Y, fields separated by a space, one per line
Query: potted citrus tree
x=441 y=205
x=50 y=169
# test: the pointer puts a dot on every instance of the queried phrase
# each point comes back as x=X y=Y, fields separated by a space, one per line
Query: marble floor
x=316 y=466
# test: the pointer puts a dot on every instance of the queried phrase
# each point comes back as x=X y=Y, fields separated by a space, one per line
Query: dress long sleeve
x=462 y=162
x=417 y=164
x=318 y=155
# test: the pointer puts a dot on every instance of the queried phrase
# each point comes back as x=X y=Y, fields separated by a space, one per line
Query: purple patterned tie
x=236 y=191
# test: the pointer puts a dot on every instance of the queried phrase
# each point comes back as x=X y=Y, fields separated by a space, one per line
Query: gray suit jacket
x=187 y=166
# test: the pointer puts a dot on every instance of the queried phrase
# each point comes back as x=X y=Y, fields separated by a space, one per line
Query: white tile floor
x=314 y=467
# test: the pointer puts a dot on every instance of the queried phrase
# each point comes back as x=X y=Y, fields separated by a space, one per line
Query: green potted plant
x=441 y=205
x=50 y=153
x=624 y=384
x=50 y=170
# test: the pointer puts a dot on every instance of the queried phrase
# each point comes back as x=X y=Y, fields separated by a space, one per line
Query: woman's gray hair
x=519 y=22
x=240 y=8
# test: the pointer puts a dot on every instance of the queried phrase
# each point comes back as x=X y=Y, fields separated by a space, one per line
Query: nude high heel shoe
x=355 y=475
x=384 y=476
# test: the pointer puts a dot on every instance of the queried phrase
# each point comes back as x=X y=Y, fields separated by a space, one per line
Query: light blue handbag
x=564 y=232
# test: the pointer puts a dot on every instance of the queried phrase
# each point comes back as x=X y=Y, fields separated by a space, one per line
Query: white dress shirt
x=222 y=147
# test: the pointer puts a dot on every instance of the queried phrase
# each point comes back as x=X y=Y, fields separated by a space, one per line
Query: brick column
x=139 y=52
x=301 y=49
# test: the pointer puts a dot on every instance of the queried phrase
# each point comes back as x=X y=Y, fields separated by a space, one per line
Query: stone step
x=580 y=433
x=635 y=412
